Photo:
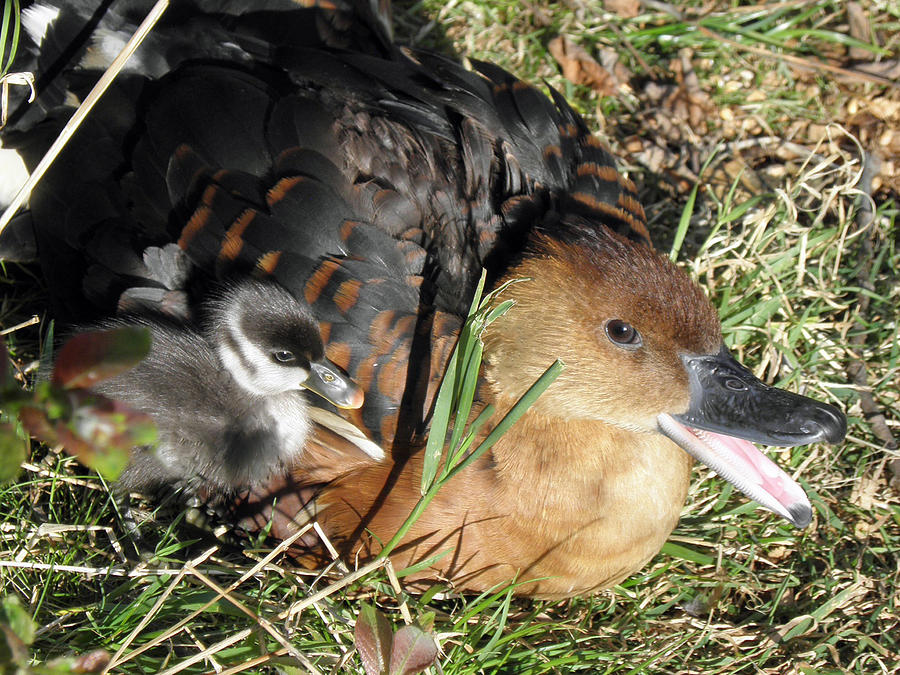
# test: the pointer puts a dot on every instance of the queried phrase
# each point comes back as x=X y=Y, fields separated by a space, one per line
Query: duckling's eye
x=283 y=356
x=623 y=334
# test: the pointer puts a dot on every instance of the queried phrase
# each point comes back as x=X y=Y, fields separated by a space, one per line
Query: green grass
x=736 y=590
x=10 y=28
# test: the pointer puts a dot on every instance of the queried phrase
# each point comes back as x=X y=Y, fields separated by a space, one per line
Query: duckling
x=376 y=184
x=228 y=401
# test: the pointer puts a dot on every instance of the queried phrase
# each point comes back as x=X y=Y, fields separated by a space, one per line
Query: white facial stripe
x=252 y=367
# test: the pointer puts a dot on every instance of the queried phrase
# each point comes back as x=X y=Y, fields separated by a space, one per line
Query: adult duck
x=375 y=185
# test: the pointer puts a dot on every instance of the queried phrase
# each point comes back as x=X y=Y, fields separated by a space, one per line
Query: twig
x=109 y=571
x=75 y=121
x=246 y=575
x=856 y=369
x=198 y=643
x=12 y=329
x=214 y=649
x=395 y=584
x=157 y=605
x=21 y=79
x=264 y=623
x=300 y=605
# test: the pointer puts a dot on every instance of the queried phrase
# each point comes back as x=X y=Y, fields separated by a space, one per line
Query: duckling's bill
x=327 y=380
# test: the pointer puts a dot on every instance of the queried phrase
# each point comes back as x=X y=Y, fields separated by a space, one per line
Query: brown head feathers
x=591 y=288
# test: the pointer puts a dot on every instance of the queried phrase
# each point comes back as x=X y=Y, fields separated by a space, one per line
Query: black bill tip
x=727 y=398
x=826 y=422
x=801 y=515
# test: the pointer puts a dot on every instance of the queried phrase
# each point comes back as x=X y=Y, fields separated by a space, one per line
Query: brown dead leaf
x=859 y=29
x=611 y=61
x=683 y=104
x=888 y=69
x=862 y=529
x=579 y=67
x=884 y=108
x=92 y=662
x=876 y=123
x=627 y=9
x=778 y=553
x=737 y=170
x=700 y=105
x=659 y=159
x=864 y=491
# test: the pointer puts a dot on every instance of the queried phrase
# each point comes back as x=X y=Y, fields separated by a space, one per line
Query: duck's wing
x=374 y=183
x=483 y=157
x=300 y=210
x=66 y=43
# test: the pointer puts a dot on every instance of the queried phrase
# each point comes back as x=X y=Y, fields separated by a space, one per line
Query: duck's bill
x=729 y=408
x=329 y=382
x=743 y=465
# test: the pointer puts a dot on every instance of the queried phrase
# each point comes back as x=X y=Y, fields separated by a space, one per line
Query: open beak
x=329 y=382
x=729 y=407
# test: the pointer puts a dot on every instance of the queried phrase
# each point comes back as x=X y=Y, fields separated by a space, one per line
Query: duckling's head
x=270 y=344
x=644 y=352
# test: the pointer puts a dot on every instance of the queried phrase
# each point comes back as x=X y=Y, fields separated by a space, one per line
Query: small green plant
x=10 y=28
x=9 y=35
x=18 y=630
x=63 y=411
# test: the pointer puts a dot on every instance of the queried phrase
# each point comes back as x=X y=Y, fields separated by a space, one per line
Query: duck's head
x=270 y=344
x=644 y=352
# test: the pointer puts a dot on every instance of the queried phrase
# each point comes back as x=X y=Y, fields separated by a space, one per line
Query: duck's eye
x=283 y=356
x=623 y=334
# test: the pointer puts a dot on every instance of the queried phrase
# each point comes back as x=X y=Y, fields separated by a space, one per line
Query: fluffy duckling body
x=229 y=401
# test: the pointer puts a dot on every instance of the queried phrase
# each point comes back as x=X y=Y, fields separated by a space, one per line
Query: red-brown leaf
x=373 y=637
x=579 y=67
x=412 y=652
x=94 y=356
x=92 y=662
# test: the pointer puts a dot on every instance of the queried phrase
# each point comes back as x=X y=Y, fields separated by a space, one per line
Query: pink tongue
x=755 y=465
x=745 y=466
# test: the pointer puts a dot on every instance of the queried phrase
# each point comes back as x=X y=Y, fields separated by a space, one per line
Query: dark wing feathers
x=181 y=113
x=87 y=34
x=298 y=122
x=298 y=142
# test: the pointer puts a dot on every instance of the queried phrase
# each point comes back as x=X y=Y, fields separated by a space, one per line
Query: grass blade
x=10 y=16
x=528 y=398
x=440 y=422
